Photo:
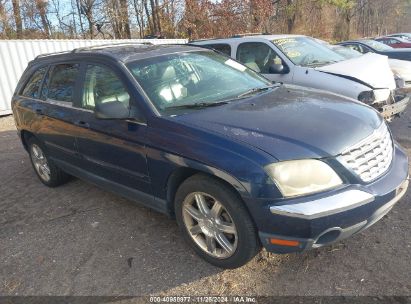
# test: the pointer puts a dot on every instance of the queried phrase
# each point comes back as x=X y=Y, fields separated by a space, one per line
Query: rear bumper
x=303 y=223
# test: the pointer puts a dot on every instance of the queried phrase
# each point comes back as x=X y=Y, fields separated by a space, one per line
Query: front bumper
x=301 y=224
x=400 y=104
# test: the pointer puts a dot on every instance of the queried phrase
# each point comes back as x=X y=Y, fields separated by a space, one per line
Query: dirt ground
x=78 y=239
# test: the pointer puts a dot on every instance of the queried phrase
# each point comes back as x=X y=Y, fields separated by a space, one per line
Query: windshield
x=305 y=51
x=193 y=78
x=378 y=46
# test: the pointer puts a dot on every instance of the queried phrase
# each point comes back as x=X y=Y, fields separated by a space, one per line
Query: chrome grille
x=371 y=157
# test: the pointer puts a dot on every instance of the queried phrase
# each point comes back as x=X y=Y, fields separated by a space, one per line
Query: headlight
x=366 y=97
x=298 y=177
x=400 y=82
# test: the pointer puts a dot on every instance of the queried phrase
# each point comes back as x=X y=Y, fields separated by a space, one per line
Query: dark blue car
x=238 y=161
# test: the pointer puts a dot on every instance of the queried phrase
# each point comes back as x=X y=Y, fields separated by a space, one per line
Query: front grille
x=371 y=157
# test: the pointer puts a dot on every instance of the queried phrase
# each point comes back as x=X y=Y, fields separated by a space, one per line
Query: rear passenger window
x=62 y=81
x=33 y=85
x=103 y=85
x=223 y=48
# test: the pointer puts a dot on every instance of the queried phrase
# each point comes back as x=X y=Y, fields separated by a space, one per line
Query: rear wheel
x=48 y=173
x=215 y=222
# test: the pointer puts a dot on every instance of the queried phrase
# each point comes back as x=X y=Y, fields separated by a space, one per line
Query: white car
x=301 y=60
x=400 y=68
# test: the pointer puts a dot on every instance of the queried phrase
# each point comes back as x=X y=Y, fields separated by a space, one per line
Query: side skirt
x=142 y=198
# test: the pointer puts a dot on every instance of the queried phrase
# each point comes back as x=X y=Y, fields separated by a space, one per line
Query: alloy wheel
x=40 y=162
x=210 y=225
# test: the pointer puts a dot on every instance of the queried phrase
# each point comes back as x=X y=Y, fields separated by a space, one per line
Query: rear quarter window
x=32 y=87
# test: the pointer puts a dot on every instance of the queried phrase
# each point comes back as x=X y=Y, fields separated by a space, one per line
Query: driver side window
x=257 y=56
x=358 y=48
x=103 y=85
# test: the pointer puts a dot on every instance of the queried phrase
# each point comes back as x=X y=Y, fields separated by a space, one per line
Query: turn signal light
x=284 y=242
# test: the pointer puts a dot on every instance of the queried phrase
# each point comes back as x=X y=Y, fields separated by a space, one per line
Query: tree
x=17 y=18
x=41 y=6
x=327 y=19
x=86 y=9
x=4 y=22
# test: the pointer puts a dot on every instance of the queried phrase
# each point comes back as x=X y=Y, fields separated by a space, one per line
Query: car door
x=58 y=94
x=395 y=43
x=111 y=149
x=259 y=57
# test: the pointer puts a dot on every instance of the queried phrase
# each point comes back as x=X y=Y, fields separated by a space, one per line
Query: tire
x=48 y=173
x=215 y=222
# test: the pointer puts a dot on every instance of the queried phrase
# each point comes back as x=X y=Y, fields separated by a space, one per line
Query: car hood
x=401 y=67
x=371 y=69
x=290 y=122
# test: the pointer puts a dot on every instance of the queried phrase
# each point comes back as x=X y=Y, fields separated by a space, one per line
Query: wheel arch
x=24 y=137
x=191 y=168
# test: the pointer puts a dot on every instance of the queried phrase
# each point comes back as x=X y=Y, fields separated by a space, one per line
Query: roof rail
x=248 y=34
x=203 y=39
x=108 y=45
x=51 y=54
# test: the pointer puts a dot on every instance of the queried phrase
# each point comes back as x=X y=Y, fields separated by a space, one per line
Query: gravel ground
x=78 y=239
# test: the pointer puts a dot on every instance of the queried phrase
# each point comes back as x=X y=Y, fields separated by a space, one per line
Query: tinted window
x=62 y=81
x=33 y=85
x=223 y=48
x=102 y=85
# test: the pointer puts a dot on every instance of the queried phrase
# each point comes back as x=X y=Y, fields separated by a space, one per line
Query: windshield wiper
x=256 y=90
x=317 y=63
x=198 y=105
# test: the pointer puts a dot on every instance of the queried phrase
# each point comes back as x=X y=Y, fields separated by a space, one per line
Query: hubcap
x=40 y=162
x=210 y=225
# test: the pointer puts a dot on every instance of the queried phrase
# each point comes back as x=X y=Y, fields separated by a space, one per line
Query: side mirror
x=277 y=69
x=112 y=110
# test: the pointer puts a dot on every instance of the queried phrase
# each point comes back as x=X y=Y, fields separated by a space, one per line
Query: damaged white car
x=400 y=68
x=301 y=60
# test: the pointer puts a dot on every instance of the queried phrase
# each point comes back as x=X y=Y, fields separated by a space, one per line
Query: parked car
x=238 y=161
x=395 y=42
x=301 y=60
x=400 y=68
x=365 y=46
x=401 y=35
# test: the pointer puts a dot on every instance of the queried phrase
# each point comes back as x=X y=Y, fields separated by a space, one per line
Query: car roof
x=390 y=37
x=399 y=34
x=246 y=37
x=357 y=40
x=121 y=52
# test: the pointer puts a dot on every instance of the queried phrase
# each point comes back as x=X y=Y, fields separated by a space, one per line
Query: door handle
x=82 y=123
x=39 y=112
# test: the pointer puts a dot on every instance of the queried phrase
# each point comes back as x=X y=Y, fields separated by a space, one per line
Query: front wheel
x=215 y=222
